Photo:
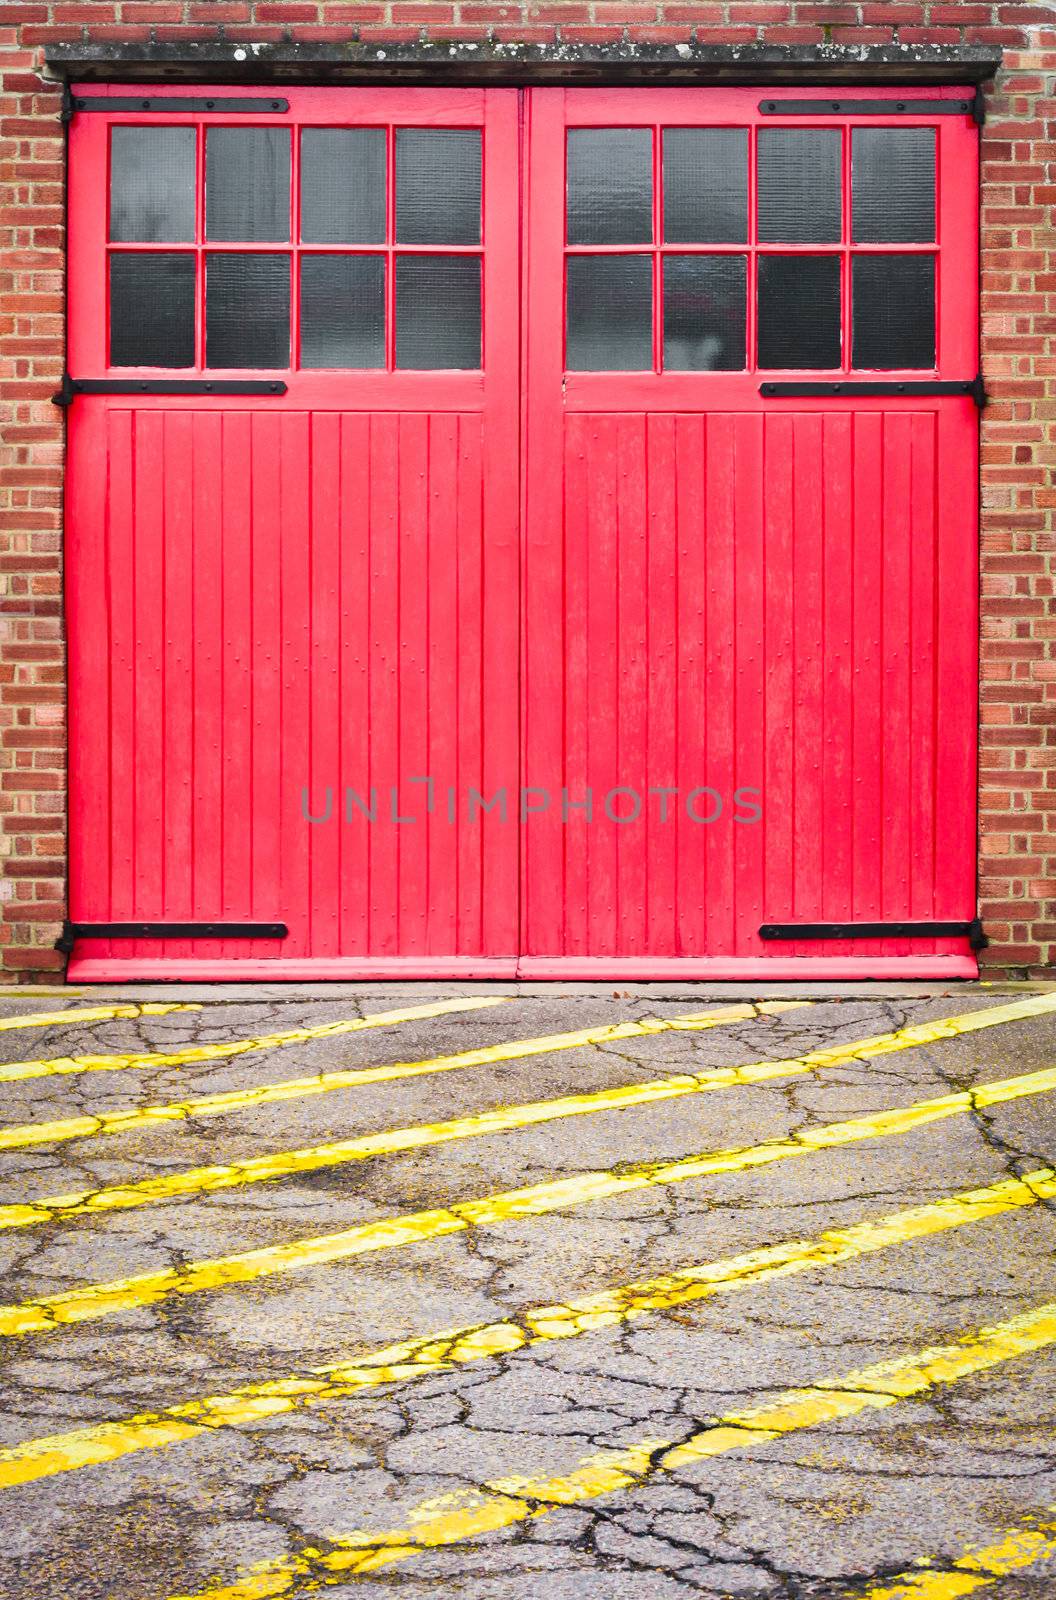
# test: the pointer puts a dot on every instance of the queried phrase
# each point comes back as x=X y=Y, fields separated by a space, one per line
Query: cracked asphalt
x=583 y=1438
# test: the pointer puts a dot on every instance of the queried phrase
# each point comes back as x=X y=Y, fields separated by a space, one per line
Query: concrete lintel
x=493 y=61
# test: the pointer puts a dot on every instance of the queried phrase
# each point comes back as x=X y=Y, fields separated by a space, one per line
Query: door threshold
x=713 y=969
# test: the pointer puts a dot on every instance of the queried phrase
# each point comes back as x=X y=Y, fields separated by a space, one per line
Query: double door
x=521 y=532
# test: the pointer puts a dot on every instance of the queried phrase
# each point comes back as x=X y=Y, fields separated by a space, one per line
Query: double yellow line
x=59 y=1066
x=289 y=1163
x=508 y=1501
x=49 y=1312
x=414 y=1359
x=131 y=1118
x=505 y=1502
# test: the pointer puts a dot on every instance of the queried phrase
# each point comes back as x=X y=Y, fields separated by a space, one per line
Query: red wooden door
x=454 y=653
x=301 y=603
x=750 y=608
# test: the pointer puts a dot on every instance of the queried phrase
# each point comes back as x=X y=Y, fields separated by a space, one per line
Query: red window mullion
x=751 y=354
x=199 y=246
x=845 y=261
x=295 y=239
x=390 y=241
x=658 y=263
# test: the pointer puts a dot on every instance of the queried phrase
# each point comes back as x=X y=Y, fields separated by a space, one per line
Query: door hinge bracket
x=66 y=114
x=854 y=388
x=72 y=387
x=971 y=930
x=176 y=105
x=979 y=106
x=72 y=931
x=874 y=108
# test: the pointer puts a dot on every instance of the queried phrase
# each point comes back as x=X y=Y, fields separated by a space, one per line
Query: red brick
x=283 y=12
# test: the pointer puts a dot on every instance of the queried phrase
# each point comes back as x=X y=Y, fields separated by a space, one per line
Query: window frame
x=753 y=248
x=427 y=110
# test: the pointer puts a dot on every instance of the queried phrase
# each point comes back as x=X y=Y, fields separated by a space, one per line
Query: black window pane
x=438 y=185
x=343 y=311
x=152 y=309
x=247 y=311
x=704 y=313
x=799 y=185
x=799 y=311
x=343 y=185
x=610 y=314
x=247 y=184
x=610 y=186
x=893 y=315
x=438 y=311
x=893 y=185
x=152 y=182
x=705 y=185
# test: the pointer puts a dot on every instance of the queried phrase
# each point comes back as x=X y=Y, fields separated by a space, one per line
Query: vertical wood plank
x=266 y=674
x=778 y=798
x=356 y=622
x=207 y=704
x=632 y=691
x=440 y=890
x=661 y=688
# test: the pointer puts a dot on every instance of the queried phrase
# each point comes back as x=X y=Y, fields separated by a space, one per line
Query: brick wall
x=1018 y=693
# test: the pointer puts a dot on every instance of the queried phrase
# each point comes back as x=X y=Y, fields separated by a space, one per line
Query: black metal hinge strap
x=71 y=387
x=852 y=388
x=869 y=108
x=971 y=930
x=257 y=105
x=71 y=931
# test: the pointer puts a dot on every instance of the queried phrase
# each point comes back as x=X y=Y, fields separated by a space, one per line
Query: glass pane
x=799 y=311
x=610 y=186
x=152 y=184
x=152 y=309
x=247 y=311
x=799 y=185
x=343 y=185
x=610 y=314
x=343 y=311
x=704 y=313
x=438 y=185
x=437 y=311
x=705 y=185
x=893 y=185
x=893 y=311
x=247 y=184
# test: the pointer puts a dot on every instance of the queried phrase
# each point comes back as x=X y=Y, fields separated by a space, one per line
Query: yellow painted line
x=365 y=1147
x=435 y=1353
x=14 y=1071
x=96 y=1300
x=1019 y=1549
x=503 y=1503
x=53 y=1019
x=132 y=1117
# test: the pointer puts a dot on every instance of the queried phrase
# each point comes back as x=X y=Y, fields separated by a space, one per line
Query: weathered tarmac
x=168 y=1305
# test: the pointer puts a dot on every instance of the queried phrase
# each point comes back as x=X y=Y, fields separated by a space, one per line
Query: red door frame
x=523 y=568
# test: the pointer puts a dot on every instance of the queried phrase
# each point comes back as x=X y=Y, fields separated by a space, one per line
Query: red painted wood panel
x=729 y=592
x=301 y=602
